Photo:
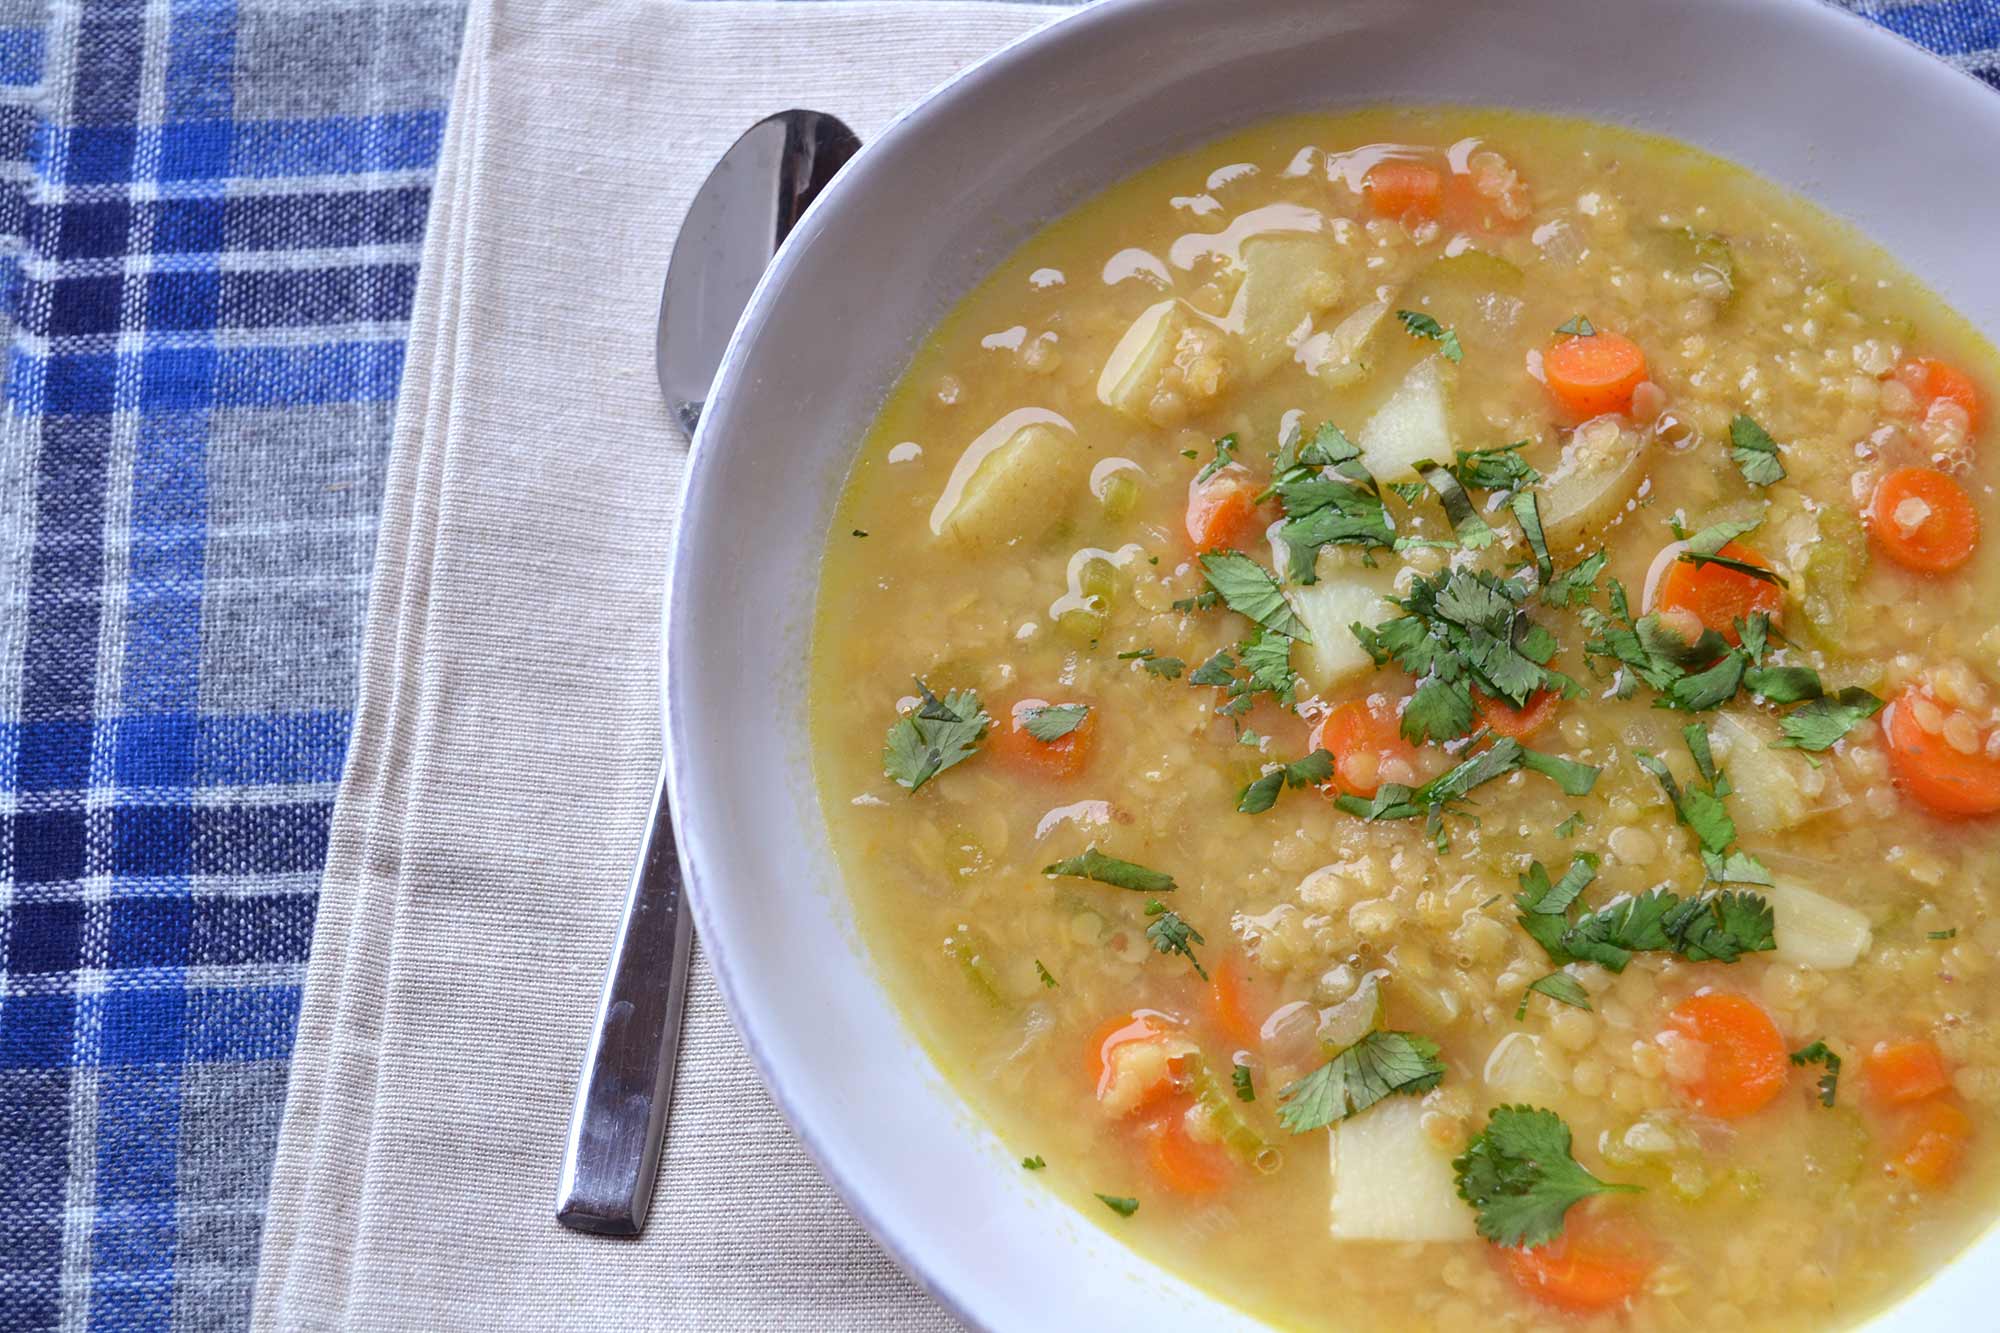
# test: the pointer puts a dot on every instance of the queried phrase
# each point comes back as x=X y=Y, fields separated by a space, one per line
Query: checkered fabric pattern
x=214 y=211
x=210 y=213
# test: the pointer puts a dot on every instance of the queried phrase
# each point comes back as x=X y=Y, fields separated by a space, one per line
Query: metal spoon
x=739 y=217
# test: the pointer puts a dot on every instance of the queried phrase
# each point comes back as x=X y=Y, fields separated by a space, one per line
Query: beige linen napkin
x=508 y=728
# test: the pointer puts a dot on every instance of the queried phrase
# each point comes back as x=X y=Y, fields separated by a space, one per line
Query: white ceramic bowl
x=1856 y=120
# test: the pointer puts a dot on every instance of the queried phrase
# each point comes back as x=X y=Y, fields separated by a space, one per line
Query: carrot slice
x=1223 y=513
x=1923 y=520
x=1592 y=375
x=1235 y=1001
x=1933 y=1144
x=1931 y=379
x=1503 y=719
x=1578 y=1271
x=1059 y=759
x=1745 y=1065
x=1365 y=737
x=1900 y=1072
x=1396 y=187
x=1183 y=1163
x=1101 y=1056
x=1925 y=764
x=1717 y=595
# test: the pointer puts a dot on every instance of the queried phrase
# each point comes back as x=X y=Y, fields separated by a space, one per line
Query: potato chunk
x=1390 y=1182
x=1170 y=362
x=1017 y=489
x=1287 y=279
x=1413 y=427
x=1330 y=608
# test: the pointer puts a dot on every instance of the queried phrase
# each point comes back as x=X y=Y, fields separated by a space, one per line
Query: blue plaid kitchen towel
x=210 y=214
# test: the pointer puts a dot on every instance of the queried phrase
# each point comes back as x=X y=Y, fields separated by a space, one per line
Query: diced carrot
x=1234 y=1001
x=1101 y=1056
x=1900 y=1072
x=1580 y=1271
x=1223 y=513
x=1931 y=379
x=1183 y=1163
x=1592 y=375
x=1365 y=737
x=1744 y=1064
x=1933 y=1143
x=1923 y=520
x=1717 y=595
x=1396 y=187
x=1925 y=764
x=1503 y=719
x=1062 y=758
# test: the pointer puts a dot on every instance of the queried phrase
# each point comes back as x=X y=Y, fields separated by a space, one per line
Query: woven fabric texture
x=211 y=213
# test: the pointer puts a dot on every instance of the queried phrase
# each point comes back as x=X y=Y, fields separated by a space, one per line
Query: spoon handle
x=628 y=1073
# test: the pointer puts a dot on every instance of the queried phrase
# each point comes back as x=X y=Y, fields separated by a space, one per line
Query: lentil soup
x=1441 y=744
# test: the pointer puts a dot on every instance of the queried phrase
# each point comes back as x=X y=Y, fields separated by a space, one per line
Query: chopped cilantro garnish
x=1519 y=1174
x=860 y=532
x=1714 y=927
x=933 y=736
x=1462 y=629
x=1701 y=809
x=1951 y=934
x=1170 y=667
x=1245 y=1090
x=1568 y=828
x=1817 y=724
x=1034 y=1163
x=1262 y=794
x=1122 y=1206
x=1172 y=935
x=1048 y=978
x=1578 y=326
x=1438 y=796
x=1755 y=452
x=1052 y=722
x=1380 y=1065
x=1093 y=864
x=1249 y=590
x=1577 y=585
x=1225 y=454
x=1205 y=600
x=1421 y=325
x=1829 y=1082
x=1328 y=499
x=1528 y=513
x=1783 y=684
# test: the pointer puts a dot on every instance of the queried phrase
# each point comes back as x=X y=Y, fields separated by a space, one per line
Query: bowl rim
x=1006 y=63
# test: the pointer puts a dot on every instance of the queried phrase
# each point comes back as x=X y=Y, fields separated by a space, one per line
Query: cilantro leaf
x=1381 y=1064
x=1052 y=722
x=1217 y=670
x=1322 y=510
x=1169 y=667
x=1421 y=325
x=1122 y=1206
x=1393 y=801
x=1093 y=864
x=1528 y=513
x=1578 y=326
x=1558 y=986
x=1519 y=1174
x=1249 y=590
x=1568 y=828
x=1829 y=1082
x=1577 y=585
x=1245 y=1090
x=1817 y=724
x=1500 y=469
x=1718 y=535
x=1262 y=794
x=1225 y=454
x=1172 y=935
x=1034 y=1163
x=934 y=736
x=1783 y=684
x=1048 y=978
x=1473 y=534
x=1755 y=452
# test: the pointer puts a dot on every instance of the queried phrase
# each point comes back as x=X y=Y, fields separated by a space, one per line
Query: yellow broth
x=1744 y=301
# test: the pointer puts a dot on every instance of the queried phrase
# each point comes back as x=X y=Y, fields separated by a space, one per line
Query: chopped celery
x=1236 y=1133
x=1118 y=496
x=1832 y=569
x=968 y=947
x=1702 y=258
x=1081 y=625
